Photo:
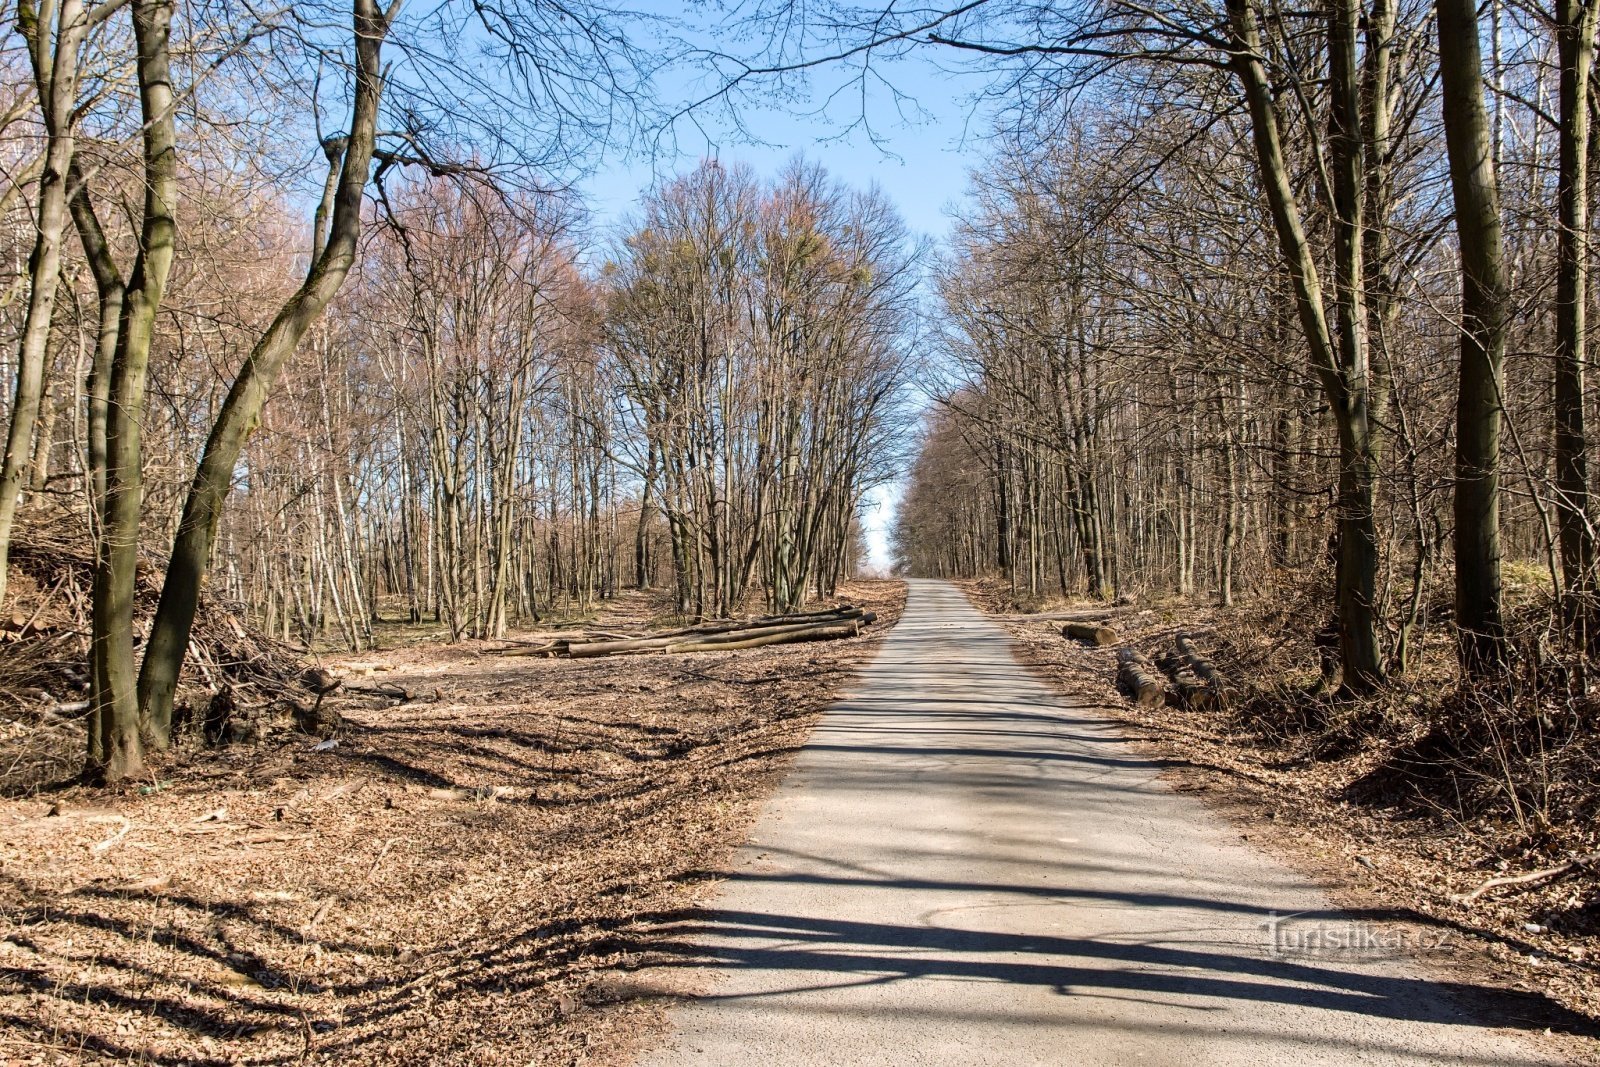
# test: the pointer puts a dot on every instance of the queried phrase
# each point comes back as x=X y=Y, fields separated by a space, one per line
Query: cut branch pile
x=234 y=675
x=717 y=636
x=44 y=637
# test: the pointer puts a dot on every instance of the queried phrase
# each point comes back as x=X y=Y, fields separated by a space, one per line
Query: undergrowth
x=44 y=651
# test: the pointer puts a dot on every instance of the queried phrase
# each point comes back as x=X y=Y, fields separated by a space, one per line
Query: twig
x=114 y=838
x=1572 y=867
x=382 y=852
x=43 y=603
x=316 y=918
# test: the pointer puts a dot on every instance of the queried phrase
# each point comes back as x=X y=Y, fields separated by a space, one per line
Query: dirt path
x=965 y=869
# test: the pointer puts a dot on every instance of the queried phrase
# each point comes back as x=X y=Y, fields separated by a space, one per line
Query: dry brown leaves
x=453 y=882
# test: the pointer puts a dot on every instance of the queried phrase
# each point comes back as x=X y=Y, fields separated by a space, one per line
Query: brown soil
x=1300 y=793
x=467 y=878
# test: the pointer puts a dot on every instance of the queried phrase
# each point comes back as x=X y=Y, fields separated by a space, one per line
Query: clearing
x=452 y=882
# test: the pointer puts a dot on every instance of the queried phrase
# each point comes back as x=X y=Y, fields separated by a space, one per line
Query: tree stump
x=318 y=721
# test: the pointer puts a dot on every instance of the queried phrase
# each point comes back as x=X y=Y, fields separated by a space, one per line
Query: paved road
x=965 y=869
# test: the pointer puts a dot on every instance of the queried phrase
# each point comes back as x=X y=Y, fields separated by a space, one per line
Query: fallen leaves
x=445 y=884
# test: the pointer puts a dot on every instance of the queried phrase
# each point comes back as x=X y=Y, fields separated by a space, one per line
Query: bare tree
x=1484 y=322
x=58 y=34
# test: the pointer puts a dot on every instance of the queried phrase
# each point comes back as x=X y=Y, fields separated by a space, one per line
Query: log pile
x=1187 y=689
x=1202 y=667
x=1137 y=679
x=719 y=635
x=1197 y=683
x=45 y=629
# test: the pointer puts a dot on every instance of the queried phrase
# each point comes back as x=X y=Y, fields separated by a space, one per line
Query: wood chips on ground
x=458 y=880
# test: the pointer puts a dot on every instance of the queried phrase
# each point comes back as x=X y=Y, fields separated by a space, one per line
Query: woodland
x=1230 y=328
x=1267 y=325
x=1269 y=332
x=480 y=409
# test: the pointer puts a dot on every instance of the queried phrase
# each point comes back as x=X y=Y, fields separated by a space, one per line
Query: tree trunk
x=1575 y=39
x=241 y=411
x=1343 y=381
x=1002 y=511
x=53 y=38
x=43 y=438
x=117 y=731
x=1483 y=339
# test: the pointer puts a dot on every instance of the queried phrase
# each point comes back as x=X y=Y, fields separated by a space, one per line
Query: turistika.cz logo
x=1300 y=935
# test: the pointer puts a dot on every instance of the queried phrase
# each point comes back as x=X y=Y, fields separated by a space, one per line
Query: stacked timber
x=1202 y=668
x=719 y=635
x=1197 y=684
x=1137 y=679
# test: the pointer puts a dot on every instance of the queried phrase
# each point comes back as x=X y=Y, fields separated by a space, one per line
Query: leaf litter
x=457 y=880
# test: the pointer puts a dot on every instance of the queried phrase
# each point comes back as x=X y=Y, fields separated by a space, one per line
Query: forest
x=1261 y=334
x=480 y=409
x=1228 y=332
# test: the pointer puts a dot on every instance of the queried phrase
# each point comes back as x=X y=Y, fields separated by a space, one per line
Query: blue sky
x=910 y=126
x=916 y=133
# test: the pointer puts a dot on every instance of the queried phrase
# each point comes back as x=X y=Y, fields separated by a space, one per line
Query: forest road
x=964 y=868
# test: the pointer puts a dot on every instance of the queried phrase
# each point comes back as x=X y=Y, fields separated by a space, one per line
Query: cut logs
x=1136 y=679
x=719 y=635
x=1198 y=663
x=1196 y=683
x=1090 y=633
x=777 y=635
x=1188 y=691
x=1202 y=668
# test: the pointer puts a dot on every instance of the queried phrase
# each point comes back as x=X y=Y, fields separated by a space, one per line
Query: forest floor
x=1322 y=793
x=466 y=878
